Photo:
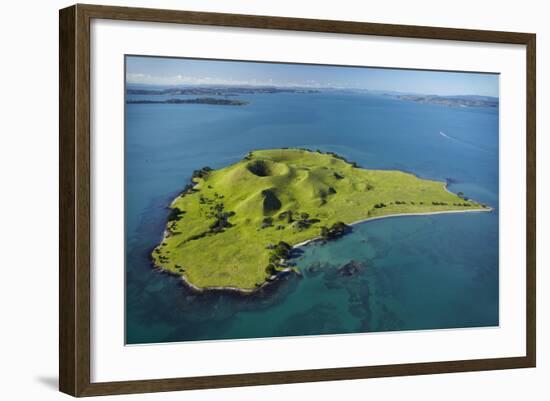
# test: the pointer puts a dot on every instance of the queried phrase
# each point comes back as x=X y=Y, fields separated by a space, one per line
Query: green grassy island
x=233 y=228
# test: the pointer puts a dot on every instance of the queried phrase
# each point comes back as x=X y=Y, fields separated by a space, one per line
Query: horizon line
x=320 y=88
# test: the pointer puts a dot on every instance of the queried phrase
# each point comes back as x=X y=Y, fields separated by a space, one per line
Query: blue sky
x=177 y=71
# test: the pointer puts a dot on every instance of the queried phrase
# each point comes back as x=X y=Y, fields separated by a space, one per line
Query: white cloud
x=179 y=79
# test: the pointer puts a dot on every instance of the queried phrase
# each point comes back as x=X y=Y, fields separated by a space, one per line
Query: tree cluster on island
x=279 y=253
x=337 y=230
x=298 y=220
x=201 y=173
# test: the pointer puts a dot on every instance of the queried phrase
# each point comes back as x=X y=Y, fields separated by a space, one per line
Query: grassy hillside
x=222 y=232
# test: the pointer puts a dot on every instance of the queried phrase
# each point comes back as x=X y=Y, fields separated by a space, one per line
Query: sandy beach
x=489 y=209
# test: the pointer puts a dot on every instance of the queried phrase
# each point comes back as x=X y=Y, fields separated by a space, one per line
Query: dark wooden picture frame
x=74 y=203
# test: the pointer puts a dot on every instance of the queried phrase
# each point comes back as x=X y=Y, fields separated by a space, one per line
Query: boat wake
x=463 y=142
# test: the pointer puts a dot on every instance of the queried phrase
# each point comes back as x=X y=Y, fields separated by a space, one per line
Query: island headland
x=236 y=228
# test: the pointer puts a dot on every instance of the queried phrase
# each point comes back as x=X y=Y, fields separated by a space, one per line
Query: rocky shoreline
x=241 y=291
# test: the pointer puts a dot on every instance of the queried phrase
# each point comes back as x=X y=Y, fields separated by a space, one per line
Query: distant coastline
x=199 y=100
x=217 y=90
x=453 y=101
x=225 y=91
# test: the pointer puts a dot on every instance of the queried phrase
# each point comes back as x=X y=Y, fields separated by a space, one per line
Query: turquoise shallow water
x=419 y=272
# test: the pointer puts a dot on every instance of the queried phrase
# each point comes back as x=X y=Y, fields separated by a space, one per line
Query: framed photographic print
x=250 y=200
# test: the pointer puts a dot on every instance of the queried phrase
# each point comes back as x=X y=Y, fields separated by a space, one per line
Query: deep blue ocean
x=422 y=272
